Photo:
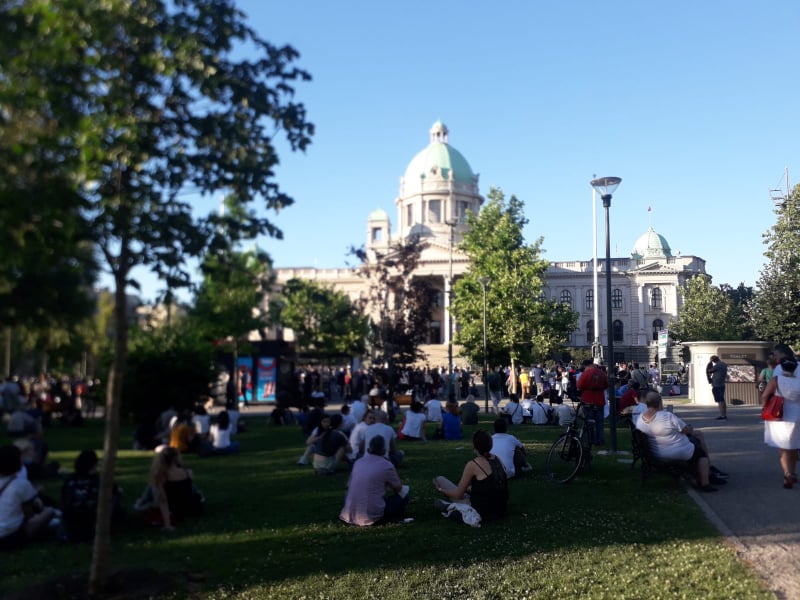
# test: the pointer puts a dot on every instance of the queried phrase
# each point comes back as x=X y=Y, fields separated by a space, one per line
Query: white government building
x=438 y=189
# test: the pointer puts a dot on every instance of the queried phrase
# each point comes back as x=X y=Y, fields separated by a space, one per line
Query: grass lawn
x=271 y=530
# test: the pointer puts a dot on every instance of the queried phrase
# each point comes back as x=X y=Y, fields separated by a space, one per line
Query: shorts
x=698 y=451
x=719 y=393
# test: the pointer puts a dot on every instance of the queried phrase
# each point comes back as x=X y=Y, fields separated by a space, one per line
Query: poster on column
x=245 y=367
x=267 y=378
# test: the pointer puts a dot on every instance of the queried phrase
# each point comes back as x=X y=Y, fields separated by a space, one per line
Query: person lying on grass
x=366 y=502
x=483 y=483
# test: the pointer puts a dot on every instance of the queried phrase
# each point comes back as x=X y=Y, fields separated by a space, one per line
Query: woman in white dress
x=785 y=434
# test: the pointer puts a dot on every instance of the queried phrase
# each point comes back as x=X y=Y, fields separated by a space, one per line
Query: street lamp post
x=451 y=223
x=484 y=281
x=606 y=186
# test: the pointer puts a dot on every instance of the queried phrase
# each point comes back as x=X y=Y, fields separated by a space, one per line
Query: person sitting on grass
x=483 y=483
x=413 y=427
x=173 y=489
x=379 y=427
x=366 y=502
x=331 y=448
x=357 y=436
x=23 y=517
x=673 y=440
x=469 y=411
x=219 y=436
x=451 y=422
x=512 y=411
x=433 y=411
x=509 y=450
x=79 y=495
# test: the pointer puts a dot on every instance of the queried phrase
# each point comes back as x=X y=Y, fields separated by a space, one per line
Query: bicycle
x=573 y=448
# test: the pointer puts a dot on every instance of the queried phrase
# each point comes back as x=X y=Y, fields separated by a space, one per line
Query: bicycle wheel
x=564 y=459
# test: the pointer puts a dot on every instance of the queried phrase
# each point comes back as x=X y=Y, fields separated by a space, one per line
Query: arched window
x=542 y=296
x=619 y=330
x=566 y=297
x=655 y=298
x=589 y=299
x=658 y=325
x=616 y=299
x=590 y=332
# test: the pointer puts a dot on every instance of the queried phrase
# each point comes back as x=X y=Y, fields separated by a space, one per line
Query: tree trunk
x=101 y=551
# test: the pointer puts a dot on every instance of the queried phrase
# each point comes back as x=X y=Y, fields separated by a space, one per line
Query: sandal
x=788 y=481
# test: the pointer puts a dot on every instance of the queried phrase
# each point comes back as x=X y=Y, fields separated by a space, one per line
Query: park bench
x=650 y=463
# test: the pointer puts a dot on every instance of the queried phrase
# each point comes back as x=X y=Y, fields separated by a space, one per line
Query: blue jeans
x=596 y=413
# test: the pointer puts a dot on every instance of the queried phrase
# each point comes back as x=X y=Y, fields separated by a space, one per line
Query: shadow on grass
x=271 y=523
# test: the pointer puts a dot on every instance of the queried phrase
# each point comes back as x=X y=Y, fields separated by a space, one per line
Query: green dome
x=651 y=245
x=439 y=159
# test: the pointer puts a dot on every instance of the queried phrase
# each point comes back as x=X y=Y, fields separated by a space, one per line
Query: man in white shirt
x=358 y=408
x=387 y=433
x=508 y=449
x=433 y=410
x=512 y=410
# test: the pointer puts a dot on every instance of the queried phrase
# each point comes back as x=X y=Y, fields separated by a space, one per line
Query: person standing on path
x=718 y=372
x=785 y=434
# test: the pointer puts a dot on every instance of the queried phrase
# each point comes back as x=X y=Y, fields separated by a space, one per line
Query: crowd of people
x=363 y=439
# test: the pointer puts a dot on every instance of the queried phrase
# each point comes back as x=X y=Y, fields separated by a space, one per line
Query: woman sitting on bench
x=672 y=440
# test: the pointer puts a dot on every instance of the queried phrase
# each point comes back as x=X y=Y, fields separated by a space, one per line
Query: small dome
x=378 y=215
x=651 y=245
x=438 y=161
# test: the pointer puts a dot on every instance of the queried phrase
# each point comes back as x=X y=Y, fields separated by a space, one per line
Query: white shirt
x=348 y=422
x=222 y=437
x=515 y=410
x=503 y=445
x=414 y=425
x=357 y=410
x=665 y=431
x=434 y=408
x=201 y=423
x=383 y=430
x=356 y=437
x=17 y=492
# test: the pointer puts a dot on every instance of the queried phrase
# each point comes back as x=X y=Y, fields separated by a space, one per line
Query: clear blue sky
x=693 y=104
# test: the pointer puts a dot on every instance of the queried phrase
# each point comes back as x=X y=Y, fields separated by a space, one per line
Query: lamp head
x=606 y=186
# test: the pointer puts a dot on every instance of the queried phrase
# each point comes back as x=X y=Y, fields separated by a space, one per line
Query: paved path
x=754 y=511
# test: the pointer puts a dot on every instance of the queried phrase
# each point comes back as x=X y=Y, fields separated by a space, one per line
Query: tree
x=707 y=313
x=521 y=325
x=141 y=104
x=774 y=311
x=228 y=303
x=399 y=305
x=740 y=297
x=324 y=321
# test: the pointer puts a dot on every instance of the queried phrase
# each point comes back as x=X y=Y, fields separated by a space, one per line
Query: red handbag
x=773 y=409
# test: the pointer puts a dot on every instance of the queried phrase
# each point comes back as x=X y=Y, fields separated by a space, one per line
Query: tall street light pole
x=597 y=348
x=484 y=281
x=606 y=186
x=451 y=223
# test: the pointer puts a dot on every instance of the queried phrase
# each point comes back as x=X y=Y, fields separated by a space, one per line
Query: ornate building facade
x=438 y=189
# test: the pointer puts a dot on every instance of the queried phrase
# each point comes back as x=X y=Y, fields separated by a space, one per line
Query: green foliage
x=166 y=366
x=707 y=313
x=740 y=297
x=399 y=305
x=262 y=509
x=774 y=311
x=325 y=322
x=228 y=302
x=131 y=107
x=520 y=324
